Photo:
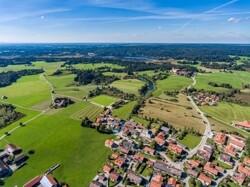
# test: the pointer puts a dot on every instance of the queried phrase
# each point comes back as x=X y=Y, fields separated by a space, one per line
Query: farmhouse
x=12 y=149
x=44 y=181
x=20 y=159
x=242 y=124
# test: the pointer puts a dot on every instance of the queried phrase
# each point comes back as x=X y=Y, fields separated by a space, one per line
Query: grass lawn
x=224 y=165
x=191 y=141
x=235 y=79
x=124 y=111
x=128 y=85
x=97 y=65
x=27 y=91
x=140 y=120
x=59 y=139
x=103 y=100
x=171 y=84
x=147 y=171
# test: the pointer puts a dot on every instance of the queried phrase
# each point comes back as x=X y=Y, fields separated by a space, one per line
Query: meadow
x=191 y=141
x=171 y=84
x=128 y=85
x=103 y=100
x=237 y=78
x=97 y=65
x=124 y=111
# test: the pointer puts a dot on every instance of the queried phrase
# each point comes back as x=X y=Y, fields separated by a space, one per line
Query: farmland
x=103 y=100
x=124 y=111
x=176 y=113
x=171 y=84
x=91 y=111
x=129 y=85
x=236 y=80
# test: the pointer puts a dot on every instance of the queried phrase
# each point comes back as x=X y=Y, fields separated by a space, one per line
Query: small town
x=153 y=158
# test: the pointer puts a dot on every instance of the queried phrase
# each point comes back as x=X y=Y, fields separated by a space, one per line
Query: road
x=51 y=87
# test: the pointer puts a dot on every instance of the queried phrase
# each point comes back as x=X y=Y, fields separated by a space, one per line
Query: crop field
x=227 y=112
x=91 y=111
x=27 y=91
x=179 y=114
x=190 y=141
x=97 y=65
x=235 y=79
x=124 y=111
x=171 y=84
x=129 y=85
x=66 y=142
x=103 y=100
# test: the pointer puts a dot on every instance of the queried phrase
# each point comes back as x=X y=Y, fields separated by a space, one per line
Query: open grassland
x=16 y=67
x=104 y=100
x=171 y=84
x=120 y=75
x=191 y=141
x=179 y=114
x=139 y=120
x=58 y=139
x=65 y=85
x=91 y=111
x=48 y=67
x=128 y=85
x=97 y=65
x=236 y=79
x=148 y=73
x=243 y=60
x=227 y=112
x=124 y=111
x=27 y=91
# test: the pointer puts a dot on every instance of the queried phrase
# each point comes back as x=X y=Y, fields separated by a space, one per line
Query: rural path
x=51 y=86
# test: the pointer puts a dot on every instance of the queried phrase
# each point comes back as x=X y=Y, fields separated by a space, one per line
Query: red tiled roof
x=159 y=141
x=230 y=150
x=194 y=163
x=177 y=149
x=115 y=155
x=51 y=179
x=114 y=176
x=156 y=181
x=209 y=168
x=33 y=181
x=172 y=181
x=237 y=143
x=220 y=138
x=107 y=168
x=109 y=143
x=245 y=124
x=244 y=170
x=149 y=150
x=139 y=156
x=205 y=179
x=119 y=161
x=246 y=161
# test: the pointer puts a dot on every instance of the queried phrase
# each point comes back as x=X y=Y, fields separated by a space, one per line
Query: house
x=171 y=182
x=226 y=159
x=175 y=148
x=95 y=184
x=156 y=181
x=123 y=150
x=237 y=144
x=33 y=182
x=246 y=161
x=109 y=143
x=20 y=159
x=107 y=168
x=204 y=179
x=134 y=178
x=210 y=168
x=242 y=169
x=114 y=176
x=120 y=161
x=220 y=138
x=114 y=155
x=159 y=141
x=150 y=163
x=167 y=168
x=165 y=129
x=139 y=157
x=4 y=169
x=48 y=181
x=238 y=178
x=193 y=173
x=230 y=150
x=12 y=149
x=242 y=124
x=194 y=163
x=174 y=71
x=149 y=150
x=208 y=148
x=204 y=155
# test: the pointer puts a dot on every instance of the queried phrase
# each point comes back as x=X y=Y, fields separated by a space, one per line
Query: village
x=153 y=158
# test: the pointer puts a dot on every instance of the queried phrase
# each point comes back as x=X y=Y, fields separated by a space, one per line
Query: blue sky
x=167 y=21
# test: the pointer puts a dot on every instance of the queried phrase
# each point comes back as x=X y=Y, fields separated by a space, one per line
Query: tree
x=248 y=146
x=198 y=183
x=140 y=144
x=152 y=144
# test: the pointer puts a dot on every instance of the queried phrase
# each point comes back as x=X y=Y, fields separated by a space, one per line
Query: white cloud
x=234 y=20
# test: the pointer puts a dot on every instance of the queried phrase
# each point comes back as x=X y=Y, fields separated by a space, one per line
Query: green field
x=140 y=120
x=243 y=60
x=148 y=73
x=27 y=91
x=190 y=141
x=59 y=139
x=91 y=111
x=235 y=79
x=124 y=111
x=128 y=85
x=120 y=75
x=97 y=65
x=103 y=100
x=171 y=84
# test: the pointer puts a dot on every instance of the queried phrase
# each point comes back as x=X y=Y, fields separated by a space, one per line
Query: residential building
x=134 y=178
x=205 y=179
x=210 y=168
x=171 y=182
x=230 y=150
x=238 y=178
x=192 y=172
x=239 y=145
x=242 y=124
x=107 y=168
x=156 y=181
x=12 y=149
x=95 y=184
x=220 y=138
x=114 y=176
x=175 y=148
x=149 y=150
x=4 y=169
x=120 y=161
